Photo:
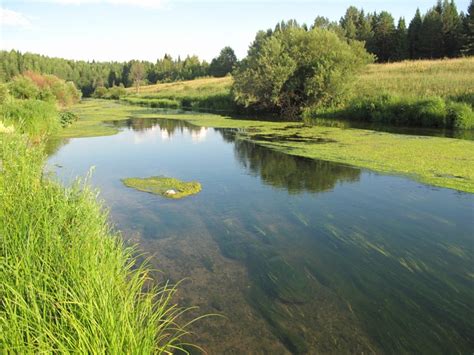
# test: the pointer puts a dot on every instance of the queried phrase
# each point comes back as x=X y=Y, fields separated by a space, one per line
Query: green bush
x=3 y=93
x=292 y=68
x=460 y=115
x=66 y=118
x=401 y=111
x=34 y=117
x=22 y=87
x=115 y=92
x=100 y=92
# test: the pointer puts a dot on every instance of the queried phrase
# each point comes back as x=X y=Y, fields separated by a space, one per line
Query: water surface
x=300 y=255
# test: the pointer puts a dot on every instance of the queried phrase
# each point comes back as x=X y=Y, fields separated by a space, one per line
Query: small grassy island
x=164 y=186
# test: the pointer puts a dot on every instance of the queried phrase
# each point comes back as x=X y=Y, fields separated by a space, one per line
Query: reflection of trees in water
x=286 y=171
x=53 y=144
x=144 y=124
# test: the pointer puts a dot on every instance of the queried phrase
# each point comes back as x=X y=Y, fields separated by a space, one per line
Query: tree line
x=441 y=32
x=91 y=75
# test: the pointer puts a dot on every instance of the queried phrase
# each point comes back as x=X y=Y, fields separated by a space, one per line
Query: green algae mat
x=164 y=186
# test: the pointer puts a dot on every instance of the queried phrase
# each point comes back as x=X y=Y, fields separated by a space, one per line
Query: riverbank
x=69 y=284
x=417 y=93
x=442 y=162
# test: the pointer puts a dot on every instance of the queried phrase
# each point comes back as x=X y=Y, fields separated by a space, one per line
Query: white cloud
x=13 y=18
x=139 y=3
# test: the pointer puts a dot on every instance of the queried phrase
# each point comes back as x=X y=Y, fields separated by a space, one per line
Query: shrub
x=22 y=87
x=3 y=93
x=99 y=92
x=67 y=117
x=35 y=117
x=401 y=111
x=292 y=68
x=115 y=92
x=460 y=115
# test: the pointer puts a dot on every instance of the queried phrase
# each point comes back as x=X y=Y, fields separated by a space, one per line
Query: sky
x=122 y=30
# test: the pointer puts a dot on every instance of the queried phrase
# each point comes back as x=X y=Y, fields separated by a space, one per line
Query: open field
x=449 y=78
x=443 y=162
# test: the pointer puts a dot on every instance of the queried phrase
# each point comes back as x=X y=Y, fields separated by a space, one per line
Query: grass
x=449 y=78
x=68 y=283
x=443 y=162
x=200 y=94
x=164 y=186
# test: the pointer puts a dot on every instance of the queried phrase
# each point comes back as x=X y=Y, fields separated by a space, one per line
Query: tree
x=137 y=73
x=224 y=63
x=384 y=36
x=292 y=69
x=468 y=31
x=452 y=29
x=431 y=35
x=400 y=50
x=414 y=31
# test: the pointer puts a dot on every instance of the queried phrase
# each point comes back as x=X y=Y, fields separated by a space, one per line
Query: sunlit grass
x=68 y=284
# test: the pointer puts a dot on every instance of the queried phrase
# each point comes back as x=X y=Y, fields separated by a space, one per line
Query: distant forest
x=441 y=32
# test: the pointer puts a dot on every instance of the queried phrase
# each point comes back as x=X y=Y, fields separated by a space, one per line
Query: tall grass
x=209 y=94
x=67 y=283
x=451 y=79
x=34 y=117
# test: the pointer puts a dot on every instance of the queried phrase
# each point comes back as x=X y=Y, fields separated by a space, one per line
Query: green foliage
x=404 y=111
x=100 y=92
x=31 y=85
x=164 y=186
x=293 y=68
x=67 y=118
x=22 y=87
x=34 y=117
x=224 y=63
x=68 y=284
x=4 y=93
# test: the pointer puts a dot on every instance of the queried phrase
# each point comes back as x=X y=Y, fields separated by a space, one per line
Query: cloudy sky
x=147 y=29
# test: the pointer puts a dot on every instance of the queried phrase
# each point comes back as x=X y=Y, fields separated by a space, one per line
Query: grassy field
x=443 y=162
x=449 y=78
x=212 y=94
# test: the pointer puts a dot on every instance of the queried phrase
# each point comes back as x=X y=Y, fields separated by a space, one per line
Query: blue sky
x=147 y=29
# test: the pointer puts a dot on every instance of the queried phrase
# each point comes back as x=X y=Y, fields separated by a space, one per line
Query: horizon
x=94 y=30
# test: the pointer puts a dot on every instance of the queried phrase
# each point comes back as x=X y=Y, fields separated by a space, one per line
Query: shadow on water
x=333 y=259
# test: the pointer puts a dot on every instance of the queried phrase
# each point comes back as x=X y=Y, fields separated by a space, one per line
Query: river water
x=298 y=255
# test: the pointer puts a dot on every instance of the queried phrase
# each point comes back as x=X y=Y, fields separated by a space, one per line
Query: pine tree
x=400 y=51
x=452 y=29
x=414 y=30
x=468 y=31
x=431 y=34
x=384 y=35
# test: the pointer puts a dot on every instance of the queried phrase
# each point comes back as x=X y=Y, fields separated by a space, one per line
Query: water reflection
x=294 y=174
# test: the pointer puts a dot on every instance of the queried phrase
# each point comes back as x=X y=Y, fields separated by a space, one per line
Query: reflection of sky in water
x=399 y=253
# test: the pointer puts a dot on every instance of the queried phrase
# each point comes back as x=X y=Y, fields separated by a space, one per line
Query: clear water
x=299 y=255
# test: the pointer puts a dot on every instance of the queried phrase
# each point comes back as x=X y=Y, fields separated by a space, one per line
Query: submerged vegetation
x=164 y=186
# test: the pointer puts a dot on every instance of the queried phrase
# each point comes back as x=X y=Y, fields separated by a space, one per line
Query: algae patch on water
x=164 y=186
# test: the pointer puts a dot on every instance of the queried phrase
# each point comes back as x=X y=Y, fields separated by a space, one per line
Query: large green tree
x=224 y=63
x=292 y=68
